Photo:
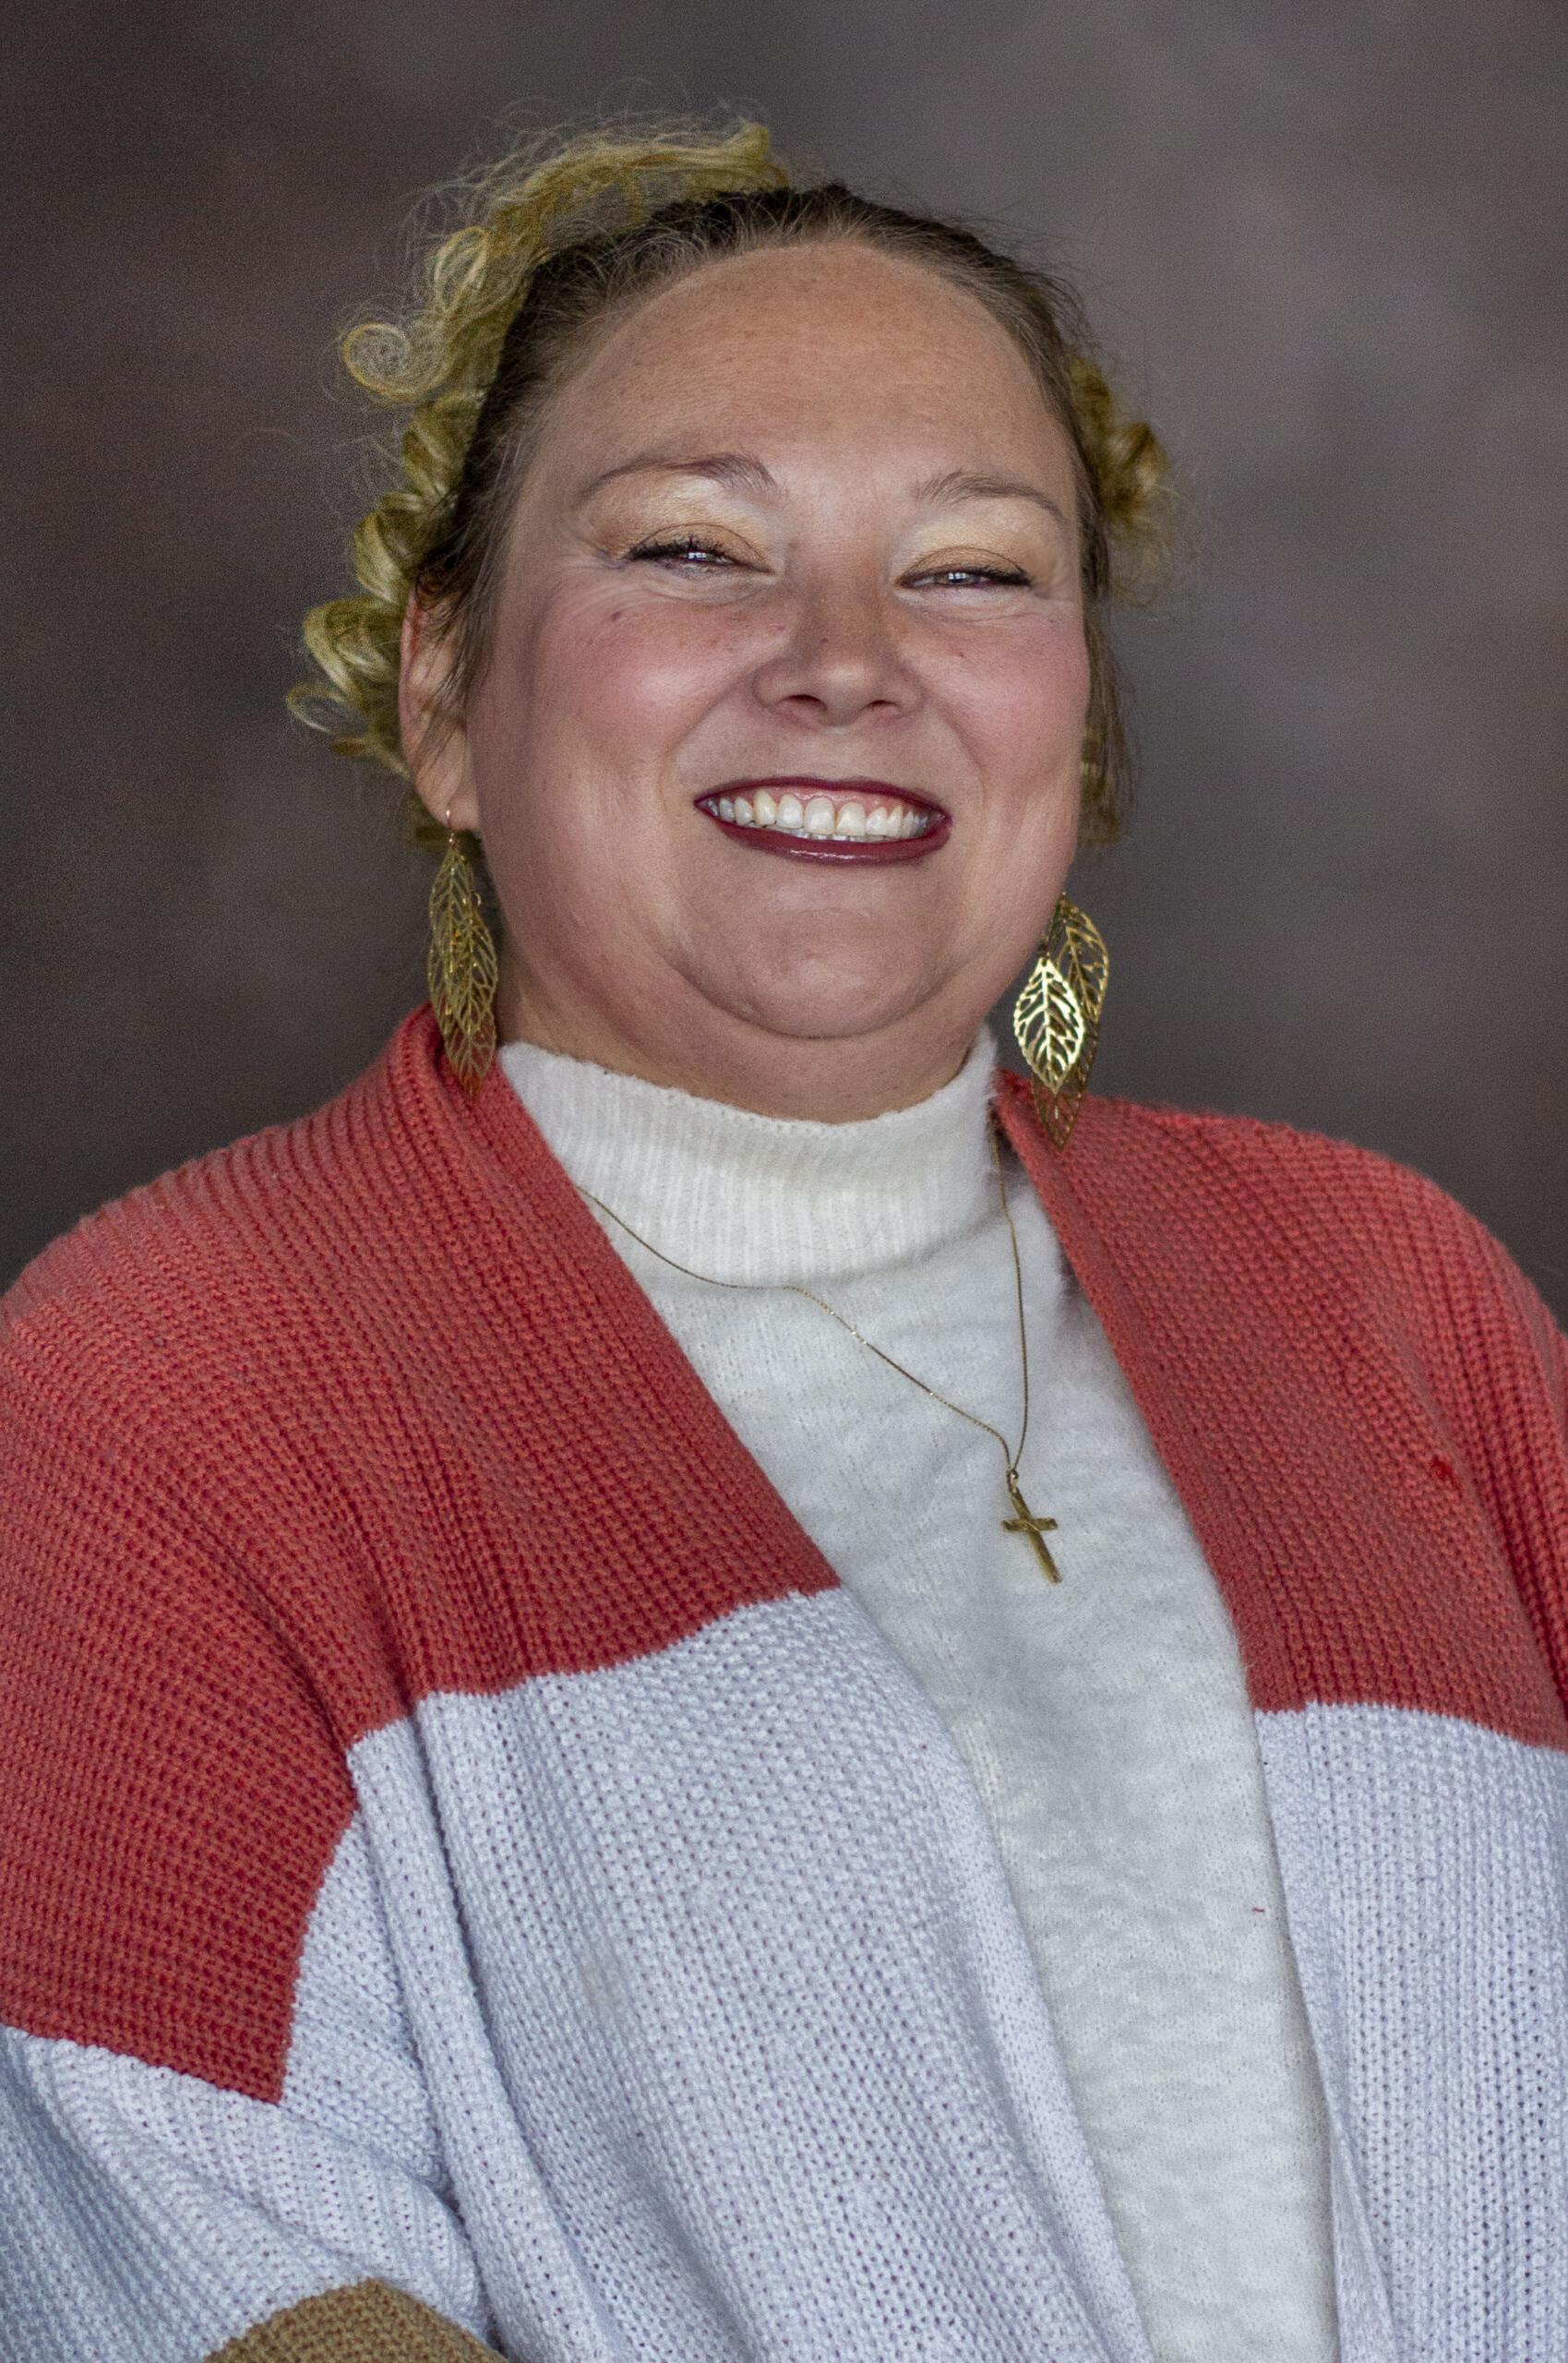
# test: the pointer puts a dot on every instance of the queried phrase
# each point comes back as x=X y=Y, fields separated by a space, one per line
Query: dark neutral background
x=1327 y=244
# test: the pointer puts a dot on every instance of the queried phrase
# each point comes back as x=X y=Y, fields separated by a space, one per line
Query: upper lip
x=868 y=787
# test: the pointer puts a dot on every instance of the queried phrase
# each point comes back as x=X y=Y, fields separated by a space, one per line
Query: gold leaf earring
x=1056 y=1019
x=461 y=969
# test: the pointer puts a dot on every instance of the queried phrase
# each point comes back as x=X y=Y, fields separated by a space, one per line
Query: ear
x=435 y=745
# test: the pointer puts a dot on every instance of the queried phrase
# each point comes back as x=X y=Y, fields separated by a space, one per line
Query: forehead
x=832 y=341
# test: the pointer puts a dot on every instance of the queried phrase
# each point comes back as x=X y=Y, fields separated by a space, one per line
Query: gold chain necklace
x=1023 y=1521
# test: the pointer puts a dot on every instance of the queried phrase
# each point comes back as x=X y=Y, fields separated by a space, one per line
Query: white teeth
x=848 y=823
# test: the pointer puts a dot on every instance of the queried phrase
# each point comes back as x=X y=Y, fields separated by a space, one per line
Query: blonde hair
x=561 y=237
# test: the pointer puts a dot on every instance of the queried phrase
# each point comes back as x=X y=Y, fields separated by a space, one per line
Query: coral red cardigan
x=471 y=1878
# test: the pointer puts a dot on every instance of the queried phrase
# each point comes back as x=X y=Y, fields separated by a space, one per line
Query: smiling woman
x=564 y=1803
x=660 y=633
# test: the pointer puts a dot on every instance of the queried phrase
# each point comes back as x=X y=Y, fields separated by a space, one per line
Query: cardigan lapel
x=1174 y=1319
x=1098 y=1203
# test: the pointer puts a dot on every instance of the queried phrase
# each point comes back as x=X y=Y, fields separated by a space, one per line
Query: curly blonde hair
x=562 y=236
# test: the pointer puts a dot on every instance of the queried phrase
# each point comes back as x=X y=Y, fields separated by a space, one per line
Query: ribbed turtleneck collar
x=739 y=1196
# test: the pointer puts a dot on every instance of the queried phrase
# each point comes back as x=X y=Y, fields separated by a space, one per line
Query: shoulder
x=1331 y=1185
x=1352 y=1223
x=248 y=1260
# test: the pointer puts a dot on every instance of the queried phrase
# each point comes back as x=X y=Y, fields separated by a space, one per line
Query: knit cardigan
x=472 y=1879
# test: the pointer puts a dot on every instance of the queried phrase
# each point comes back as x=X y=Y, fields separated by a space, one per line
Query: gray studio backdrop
x=1328 y=244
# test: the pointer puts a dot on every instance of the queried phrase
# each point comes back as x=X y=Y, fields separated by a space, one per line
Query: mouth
x=856 y=820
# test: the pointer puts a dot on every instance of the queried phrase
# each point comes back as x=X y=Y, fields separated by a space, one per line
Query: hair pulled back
x=561 y=238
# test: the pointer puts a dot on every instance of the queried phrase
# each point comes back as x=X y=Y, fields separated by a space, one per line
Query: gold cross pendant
x=1035 y=1528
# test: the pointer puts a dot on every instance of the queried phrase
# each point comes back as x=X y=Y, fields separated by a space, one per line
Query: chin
x=834 y=1008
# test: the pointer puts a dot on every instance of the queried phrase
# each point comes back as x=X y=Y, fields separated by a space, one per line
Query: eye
x=964 y=575
x=687 y=546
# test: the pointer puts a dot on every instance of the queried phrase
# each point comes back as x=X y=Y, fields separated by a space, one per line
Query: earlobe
x=435 y=744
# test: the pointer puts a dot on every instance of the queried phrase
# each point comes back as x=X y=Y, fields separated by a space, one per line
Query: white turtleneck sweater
x=1105 y=1719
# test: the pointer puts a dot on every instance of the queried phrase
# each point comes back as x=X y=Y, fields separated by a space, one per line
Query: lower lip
x=874 y=849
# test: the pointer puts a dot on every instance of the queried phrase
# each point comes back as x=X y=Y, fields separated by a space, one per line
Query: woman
x=696 y=1677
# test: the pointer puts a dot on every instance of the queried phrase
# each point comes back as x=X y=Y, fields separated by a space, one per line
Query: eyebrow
x=742 y=471
x=964 y=483
x=737 y=468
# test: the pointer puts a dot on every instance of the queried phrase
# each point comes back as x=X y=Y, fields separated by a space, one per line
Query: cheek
x=586 y=705
x=1025 y=698
x=617 y=669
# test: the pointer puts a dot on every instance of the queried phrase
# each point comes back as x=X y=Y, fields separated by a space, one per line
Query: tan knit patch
x=366 y=2323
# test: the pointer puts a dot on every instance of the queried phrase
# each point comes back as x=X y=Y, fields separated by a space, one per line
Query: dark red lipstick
x=797 y=845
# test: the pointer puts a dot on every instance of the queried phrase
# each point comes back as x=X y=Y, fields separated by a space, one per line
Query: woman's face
x=801 y=520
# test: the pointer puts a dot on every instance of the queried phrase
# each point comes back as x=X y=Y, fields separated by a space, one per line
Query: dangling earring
x=461 y=969
x=1056 y=1019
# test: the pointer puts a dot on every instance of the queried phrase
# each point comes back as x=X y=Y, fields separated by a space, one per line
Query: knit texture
x=463 y=1838
x=1104 y=1720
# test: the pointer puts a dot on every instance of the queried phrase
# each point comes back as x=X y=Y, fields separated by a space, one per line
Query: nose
x=841 y=660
